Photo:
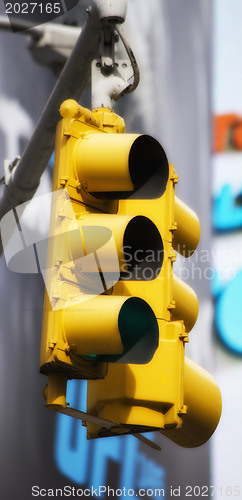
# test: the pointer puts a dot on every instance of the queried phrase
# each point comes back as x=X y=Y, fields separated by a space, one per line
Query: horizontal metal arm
x=25 y=179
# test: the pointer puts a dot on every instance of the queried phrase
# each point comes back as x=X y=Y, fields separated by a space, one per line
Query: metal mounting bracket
x=85 y=417
x=109 y=87
x=111 y=77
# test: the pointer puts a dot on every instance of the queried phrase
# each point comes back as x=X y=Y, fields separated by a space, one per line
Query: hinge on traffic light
x=173 y=175
x=63 y=181
x=172 y=256
x=173 y=227
x=183 y=411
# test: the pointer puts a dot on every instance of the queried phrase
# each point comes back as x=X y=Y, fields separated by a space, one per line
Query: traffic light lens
x=139 y=331
x=148 y=167
x=143 y=250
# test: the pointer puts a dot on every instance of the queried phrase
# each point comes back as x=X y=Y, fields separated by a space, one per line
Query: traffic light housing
x=114 y=313
x=86 y=247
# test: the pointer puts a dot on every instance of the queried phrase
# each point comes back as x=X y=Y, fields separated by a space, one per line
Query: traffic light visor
x=119 y=166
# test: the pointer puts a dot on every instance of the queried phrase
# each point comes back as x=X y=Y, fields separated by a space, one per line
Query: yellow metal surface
x=185 y=303
x=94 y=159
x=204 y=405
x=187 y=235
x=71 y=109
x=115 y=226
x=56 y=389
x=143 y=395
x=65 y=278
x=92 y=327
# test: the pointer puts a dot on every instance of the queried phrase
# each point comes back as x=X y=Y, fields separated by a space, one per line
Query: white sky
x=227 y=61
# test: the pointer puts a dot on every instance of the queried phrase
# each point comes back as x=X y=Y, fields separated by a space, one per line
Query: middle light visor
x=121 y=244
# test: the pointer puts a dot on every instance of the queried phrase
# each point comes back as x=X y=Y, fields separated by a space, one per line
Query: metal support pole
x=25 y=179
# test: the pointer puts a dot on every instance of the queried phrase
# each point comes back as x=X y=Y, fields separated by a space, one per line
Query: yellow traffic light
x=203 y=408
x=114 y=312
x=92 y=246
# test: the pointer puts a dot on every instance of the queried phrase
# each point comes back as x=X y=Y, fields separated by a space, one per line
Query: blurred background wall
x=226 y=241
x=173 y=42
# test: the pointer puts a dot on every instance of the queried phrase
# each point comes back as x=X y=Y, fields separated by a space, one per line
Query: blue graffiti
x=227 y=214
x=87 y=462
x=228 y=314
x=105 y=449
x=149 y=468
x=72 y=450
